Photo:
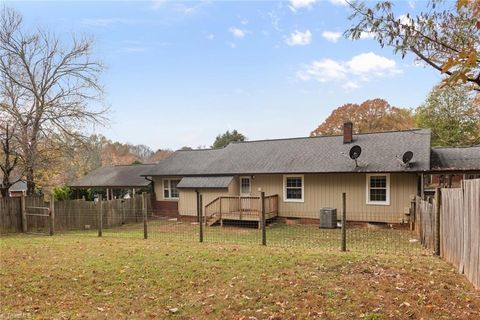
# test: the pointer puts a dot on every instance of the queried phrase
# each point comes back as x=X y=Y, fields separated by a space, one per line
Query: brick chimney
x=348 y=132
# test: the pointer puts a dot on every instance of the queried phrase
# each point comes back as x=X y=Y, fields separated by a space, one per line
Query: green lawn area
x=71 y=276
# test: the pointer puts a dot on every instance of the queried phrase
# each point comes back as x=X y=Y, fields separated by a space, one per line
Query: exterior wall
x=160 y=205
x=187 y=205
x=325 y=190
x=320 y=190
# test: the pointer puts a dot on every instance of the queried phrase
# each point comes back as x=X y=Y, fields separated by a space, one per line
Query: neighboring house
x=111 y=178
x=300 y=176
x=18 y=189
x=449 y=166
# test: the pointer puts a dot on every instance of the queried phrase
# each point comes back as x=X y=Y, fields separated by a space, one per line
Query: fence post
x=24 y=214
x=344 y=222
x=412 y=214
x=144 y=211
x=438 y=203
x=52 y=213
x=100 y=217
x=123 y=211
x=263 y=222
x=200 y=214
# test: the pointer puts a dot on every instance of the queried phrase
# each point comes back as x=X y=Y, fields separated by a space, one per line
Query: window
x=293 y=188
x=170 y=190
x=245 y=186
x=378 y=189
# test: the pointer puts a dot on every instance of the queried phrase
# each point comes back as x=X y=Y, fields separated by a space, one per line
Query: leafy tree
x=369 y=116
x=222 y=140
x=453 y=114
x=185 y=148
x=445 y=37
x=62 y=193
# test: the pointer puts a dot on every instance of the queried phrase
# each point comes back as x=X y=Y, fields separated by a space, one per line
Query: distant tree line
x=451 y=112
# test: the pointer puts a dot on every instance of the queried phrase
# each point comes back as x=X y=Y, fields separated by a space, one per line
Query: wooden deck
x=240 y=209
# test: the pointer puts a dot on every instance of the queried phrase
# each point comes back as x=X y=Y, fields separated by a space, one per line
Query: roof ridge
x=205 y=149
x=129 y=165
x=457 y=147
x=327 y=136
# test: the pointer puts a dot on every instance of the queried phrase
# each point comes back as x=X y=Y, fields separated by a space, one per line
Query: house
x=18 y=189
x=449 y=166
x=299 y=176
x=115 y=178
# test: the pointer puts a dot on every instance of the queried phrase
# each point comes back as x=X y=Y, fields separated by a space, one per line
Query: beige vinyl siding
x=187 y=204
x=320 y=190
x=325 y=190
x=158 y=183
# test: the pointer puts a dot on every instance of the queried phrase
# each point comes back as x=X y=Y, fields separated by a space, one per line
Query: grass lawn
x=72 y=276
x=361 y=240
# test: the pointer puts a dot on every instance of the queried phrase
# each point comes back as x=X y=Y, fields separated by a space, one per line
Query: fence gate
x=38 y=220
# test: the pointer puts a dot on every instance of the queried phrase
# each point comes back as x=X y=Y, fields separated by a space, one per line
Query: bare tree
x=56 y=88
x=9 y=157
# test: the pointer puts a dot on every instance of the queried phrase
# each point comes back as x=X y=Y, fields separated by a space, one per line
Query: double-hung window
x=293 y=188
x=378 y=189
x=170 y=190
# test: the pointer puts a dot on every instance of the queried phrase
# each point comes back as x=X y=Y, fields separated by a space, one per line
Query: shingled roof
x=303 y=155
x=115 y=176
x=456 y=159
x=205 y=182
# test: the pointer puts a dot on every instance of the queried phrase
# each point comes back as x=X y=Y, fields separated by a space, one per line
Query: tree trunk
x=30 y=181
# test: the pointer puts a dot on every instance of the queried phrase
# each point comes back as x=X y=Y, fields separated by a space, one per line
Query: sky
x=180 y=73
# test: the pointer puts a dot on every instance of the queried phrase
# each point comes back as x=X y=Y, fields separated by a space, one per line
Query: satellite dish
x=407 y=157
x=355 y=152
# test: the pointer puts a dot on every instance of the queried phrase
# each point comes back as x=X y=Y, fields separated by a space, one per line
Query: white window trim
x=378 y=203
x=169 y=189
x=285 y=187
x=250 y=184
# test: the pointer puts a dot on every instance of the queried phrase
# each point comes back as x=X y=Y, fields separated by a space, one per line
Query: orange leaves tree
x=369 y=116
x=446 y=36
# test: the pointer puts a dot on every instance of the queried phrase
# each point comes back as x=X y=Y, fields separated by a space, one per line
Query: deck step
x=212 y=220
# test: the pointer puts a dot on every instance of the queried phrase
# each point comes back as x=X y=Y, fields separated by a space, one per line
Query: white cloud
x=299 y=4
x=351 y=85
x=244 y=22
x=338 y=2
x=361 y=68
x=156 y=4
x=237 y=32
x=366 y=64
x=299 y=38
x=411 y=4
x=367 y=35
x=407 y=21
x=210 y=36
x=332 y=36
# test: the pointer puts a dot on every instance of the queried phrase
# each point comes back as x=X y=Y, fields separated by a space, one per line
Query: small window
x=170 y=190
x=293 y=188
x=378 y=189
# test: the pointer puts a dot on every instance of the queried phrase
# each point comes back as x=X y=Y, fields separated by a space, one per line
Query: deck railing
x=242 y=206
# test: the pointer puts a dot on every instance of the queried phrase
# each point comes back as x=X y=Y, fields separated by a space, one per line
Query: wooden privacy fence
x=460 y=228
x=426 y=226
x=456 y=236
x=70 y=214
